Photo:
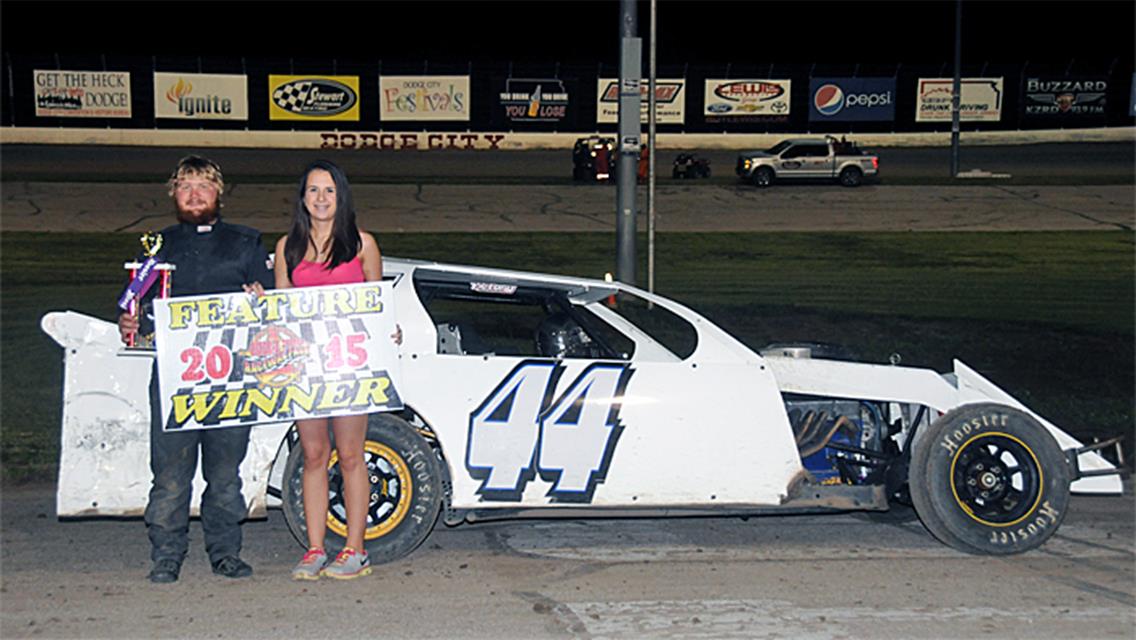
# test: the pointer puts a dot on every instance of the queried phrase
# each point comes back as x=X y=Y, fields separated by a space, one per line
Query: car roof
x=579 y=289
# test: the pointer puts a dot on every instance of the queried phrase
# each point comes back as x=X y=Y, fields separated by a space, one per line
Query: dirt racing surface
x=83 y=189
x=816 y=577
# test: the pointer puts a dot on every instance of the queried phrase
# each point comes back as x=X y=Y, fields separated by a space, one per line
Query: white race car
x=533 y=395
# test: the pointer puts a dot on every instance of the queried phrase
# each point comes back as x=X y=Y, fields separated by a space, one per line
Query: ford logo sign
x=314 y=97
x=719 y=107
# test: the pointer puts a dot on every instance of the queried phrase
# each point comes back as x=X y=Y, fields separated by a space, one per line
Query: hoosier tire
x=989 y=479
x=406 y=491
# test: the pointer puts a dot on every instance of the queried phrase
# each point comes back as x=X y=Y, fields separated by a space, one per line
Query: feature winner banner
x=200 y=96
x=670 y=100
x=82 y=94
x=313 y=97
x=746 y=99
x=981 y=100
x=424 y=98
x=232 y=359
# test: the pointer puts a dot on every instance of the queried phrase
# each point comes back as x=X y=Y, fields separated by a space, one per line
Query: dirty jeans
x=173 y=461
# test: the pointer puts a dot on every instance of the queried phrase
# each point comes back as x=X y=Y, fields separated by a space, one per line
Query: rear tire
x=406 y=491
x=851 y=177
x=989 y=479
x=762 y=177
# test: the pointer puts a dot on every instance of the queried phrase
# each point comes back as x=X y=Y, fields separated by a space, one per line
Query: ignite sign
x=234 y=360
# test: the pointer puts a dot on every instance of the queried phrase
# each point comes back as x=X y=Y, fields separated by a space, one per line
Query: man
x=211 y=256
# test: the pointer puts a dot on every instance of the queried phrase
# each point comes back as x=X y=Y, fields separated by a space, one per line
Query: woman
x=325 y=247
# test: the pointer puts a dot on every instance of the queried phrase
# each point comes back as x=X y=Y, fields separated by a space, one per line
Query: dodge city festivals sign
x=313 y=97
x=739 y=100
x=82 y=94
x=237 y=360
x=981 y=100
x=670 y=100
x=852 y=99
x=1064 y=98
x=430 y=98
x=199 y=96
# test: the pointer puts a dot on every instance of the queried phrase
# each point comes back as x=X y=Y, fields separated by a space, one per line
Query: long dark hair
x=345 y=240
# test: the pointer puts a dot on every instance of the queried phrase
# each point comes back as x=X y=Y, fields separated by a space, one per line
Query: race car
x=535 y=395
x=593 y=159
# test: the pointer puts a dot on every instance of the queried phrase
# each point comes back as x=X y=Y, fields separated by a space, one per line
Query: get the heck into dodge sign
x=235 y=360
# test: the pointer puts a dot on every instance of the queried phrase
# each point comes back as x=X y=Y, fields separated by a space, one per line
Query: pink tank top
x=315 y=274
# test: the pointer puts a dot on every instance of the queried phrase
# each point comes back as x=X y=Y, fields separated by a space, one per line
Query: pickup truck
x=808 y=158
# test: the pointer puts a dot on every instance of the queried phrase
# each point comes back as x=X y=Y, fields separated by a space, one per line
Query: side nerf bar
x=1072 y=457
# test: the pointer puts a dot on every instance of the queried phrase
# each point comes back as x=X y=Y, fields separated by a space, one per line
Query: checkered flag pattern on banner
x=314 y=333
x=292 y=96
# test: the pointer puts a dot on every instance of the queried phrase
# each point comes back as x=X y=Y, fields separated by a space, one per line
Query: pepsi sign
x=851 y=99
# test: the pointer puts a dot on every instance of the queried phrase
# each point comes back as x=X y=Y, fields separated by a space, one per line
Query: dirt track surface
x=49 y=188
x=43 y=206
x=817 y=577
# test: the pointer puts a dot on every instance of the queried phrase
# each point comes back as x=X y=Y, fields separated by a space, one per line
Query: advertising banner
x=82 y=94
x=851 y=99
x=670 y=100
x=748 y=99
x=200 y=96
x=981 y=100
x=424 y=98
x=313 y=97
x=525 y=100
x=1132 y=100
x=235 y=360
x=1064 y=98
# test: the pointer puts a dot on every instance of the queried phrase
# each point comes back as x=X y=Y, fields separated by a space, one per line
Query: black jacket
x=215 y=261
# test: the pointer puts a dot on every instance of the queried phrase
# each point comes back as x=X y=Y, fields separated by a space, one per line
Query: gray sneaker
x=310 y=565
x=349 y=564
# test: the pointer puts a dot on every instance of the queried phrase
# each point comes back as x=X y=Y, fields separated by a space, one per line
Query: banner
x=1064 y=98
x=1132 y=100
x=235 y=360
x=981 y=100
x=82 y=94
x=851 y=99
x=313 y=97
x=524 y=100
x=741 y=100
x=670 y=100
x=200 y=96
x=424 y=98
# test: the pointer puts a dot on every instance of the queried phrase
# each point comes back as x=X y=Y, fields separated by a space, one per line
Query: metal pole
x=956 y=92
x=654 y=150
x=630 y=127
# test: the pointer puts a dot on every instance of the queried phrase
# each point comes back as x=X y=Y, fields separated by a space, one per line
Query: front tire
x=762 y=177
x=851 y=177
x=406 y=491
x=989 y=479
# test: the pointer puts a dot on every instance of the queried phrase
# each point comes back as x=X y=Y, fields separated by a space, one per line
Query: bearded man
x=210 y=256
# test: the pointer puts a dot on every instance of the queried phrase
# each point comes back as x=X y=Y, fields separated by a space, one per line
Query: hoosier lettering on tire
x=406 y=491
x=989 y=479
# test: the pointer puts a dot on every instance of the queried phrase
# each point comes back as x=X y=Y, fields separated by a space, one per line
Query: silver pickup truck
x=808 y=158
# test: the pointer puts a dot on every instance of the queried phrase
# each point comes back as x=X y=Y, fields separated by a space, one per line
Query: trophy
x=142 y=277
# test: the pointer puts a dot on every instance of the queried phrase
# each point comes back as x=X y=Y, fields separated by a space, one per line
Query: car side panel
x=683 y=434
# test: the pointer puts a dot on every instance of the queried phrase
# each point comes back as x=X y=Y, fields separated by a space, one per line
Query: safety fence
x=279 y=94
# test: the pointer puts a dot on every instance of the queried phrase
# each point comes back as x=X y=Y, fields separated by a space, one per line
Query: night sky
x=582 y=31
